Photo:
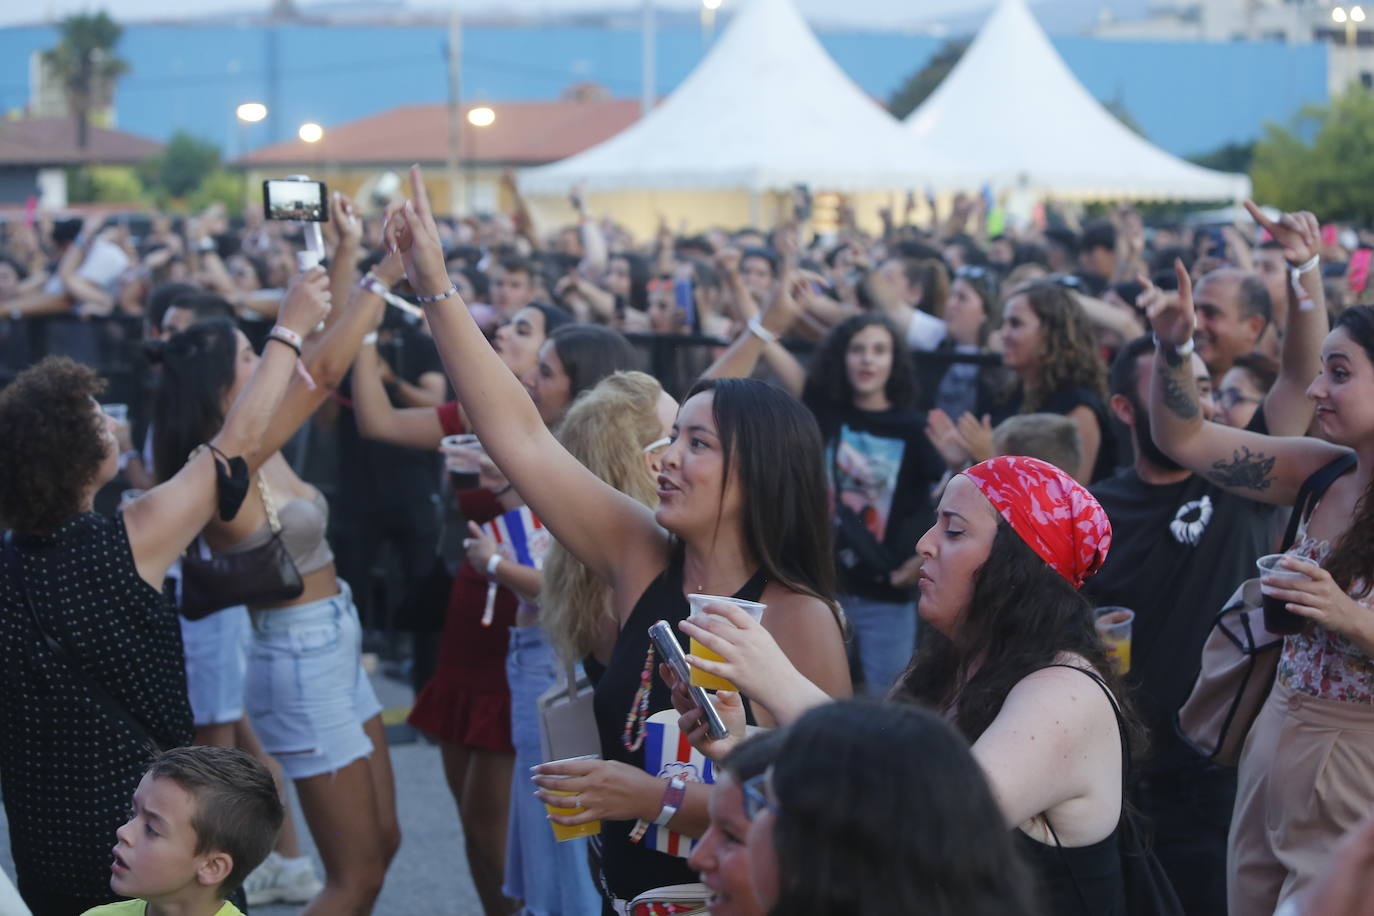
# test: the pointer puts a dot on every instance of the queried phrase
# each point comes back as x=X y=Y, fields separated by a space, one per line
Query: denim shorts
x=216 y=649
x=307 y=695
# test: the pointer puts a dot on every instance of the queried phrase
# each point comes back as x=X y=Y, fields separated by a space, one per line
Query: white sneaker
x=279 y=880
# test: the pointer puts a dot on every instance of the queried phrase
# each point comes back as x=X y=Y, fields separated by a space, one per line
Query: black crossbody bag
x=112 y=708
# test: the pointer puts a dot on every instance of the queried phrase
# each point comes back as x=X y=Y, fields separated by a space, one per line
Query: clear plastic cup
x=1277 y=618
x=561 y=832
x=1114 y=626
x=698 y=609
x=462 y=454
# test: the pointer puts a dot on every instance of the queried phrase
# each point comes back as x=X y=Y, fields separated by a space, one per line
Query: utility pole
x=455 y=114
x=648 y=95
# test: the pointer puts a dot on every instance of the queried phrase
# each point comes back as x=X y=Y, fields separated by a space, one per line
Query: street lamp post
x=246 y=114
x=708 y=19
x=1351 y=19
x=480 y=117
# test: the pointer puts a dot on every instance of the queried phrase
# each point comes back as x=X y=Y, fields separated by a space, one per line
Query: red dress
x=467 y=701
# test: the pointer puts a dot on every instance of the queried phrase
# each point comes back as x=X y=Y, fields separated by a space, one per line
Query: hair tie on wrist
x=427 y=300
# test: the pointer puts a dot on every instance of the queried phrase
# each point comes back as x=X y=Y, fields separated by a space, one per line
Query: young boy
x=202 y=819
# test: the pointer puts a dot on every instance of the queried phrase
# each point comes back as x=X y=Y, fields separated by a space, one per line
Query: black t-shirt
x=1178 y=552
x=378 y=475
x=882 y=467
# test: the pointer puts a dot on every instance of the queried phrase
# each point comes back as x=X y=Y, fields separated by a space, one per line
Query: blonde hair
x=606 y=428
x=1048 y=436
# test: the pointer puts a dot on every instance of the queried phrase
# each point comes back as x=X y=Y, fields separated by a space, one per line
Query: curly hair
x=1068 y=356
x=606 y=429
x=827 y=384
x=1021 y=617
x=53 y=441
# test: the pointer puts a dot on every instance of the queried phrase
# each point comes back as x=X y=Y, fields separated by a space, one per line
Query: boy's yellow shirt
x=137 y=908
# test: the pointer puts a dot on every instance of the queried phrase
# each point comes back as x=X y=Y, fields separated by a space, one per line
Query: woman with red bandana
x=1014 y=663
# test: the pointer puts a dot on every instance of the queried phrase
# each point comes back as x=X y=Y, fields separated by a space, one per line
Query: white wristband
x=370 y=339
x=494 y=562
x=1307 y=266
x=1185 y=349
x=758 y=330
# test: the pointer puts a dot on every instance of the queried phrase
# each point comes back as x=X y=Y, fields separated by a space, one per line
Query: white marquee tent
x=1013 y=113
x=766 y=109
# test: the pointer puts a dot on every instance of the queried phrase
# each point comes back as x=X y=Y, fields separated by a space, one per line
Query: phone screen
x=291 y=199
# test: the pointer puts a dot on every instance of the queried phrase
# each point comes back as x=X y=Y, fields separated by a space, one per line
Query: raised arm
x=1287 y=408
x=759 y=339
x=602 y=527
x=1265 y=468
x=412 y=427
x=343 y=265
x=162 y=522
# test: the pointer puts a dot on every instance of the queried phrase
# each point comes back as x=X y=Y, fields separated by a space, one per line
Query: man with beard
x=1180 y=547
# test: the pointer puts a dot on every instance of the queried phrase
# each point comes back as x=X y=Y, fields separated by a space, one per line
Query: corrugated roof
x=524 y=133
x=52 y=142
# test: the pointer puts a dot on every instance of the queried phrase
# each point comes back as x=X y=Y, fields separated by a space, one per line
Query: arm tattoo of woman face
x=1180 y=394
x=1246 y=470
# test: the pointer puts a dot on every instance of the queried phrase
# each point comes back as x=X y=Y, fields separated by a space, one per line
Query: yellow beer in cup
x=1114 y=627
x=562 y=833
x=698 y=603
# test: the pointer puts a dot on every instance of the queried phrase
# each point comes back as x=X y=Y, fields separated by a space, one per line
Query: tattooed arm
x=1265 y=468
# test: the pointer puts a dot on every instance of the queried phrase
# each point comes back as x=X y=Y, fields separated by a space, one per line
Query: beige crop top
x=303 y=525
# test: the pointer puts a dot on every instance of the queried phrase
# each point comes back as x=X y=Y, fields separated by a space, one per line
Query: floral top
x=1319 y=662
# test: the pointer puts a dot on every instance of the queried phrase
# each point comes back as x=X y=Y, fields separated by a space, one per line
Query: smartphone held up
x=295 y=198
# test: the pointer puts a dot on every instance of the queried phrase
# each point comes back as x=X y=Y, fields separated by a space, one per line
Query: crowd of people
x=931 y=455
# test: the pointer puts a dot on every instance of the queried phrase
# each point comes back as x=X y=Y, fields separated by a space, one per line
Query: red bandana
x=1053 y=513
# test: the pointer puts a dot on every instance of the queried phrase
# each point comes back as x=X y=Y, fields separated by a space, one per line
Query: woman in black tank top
x=742 y=501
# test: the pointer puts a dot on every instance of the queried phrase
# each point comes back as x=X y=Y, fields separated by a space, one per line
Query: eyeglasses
x=972 y=272
x=657 y=444
x=756 y=795
x=1068 y=281
x=1227 y=398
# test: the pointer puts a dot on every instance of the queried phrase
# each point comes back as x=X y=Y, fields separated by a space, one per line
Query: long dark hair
x=827 y=384
x=197 y=370
x=1070 y=357
x=883 y=809
x=639 y=280
x=773 y=443
x=590 y=353
x=1352 y=560
x=1023 y=615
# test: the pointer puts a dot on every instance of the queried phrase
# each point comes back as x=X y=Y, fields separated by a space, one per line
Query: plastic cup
x=1277 y=618
x=117 y=412
x=1114 y=626
x=562 y=833
x=462 y=459
x=698 y=604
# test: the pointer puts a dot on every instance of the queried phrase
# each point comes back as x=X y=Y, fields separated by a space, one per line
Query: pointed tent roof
x=766 y=108
x=1012 y=111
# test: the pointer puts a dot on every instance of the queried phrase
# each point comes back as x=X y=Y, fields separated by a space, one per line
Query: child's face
x=155 y=857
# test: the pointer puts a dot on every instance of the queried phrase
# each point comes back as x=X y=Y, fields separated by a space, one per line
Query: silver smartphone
x=662 y=635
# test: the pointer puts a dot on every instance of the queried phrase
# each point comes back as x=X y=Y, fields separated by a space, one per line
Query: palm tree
x=85 y=65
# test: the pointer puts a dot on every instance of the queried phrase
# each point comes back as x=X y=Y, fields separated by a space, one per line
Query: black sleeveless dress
x=629 y=869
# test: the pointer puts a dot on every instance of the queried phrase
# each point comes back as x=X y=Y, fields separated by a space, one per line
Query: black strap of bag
x=108 y=704
x=1146 y=886
x=1312 y=489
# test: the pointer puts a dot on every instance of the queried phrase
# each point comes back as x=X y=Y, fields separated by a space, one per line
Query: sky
x=859 y=13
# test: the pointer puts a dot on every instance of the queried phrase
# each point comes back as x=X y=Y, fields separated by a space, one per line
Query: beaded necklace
x=637 y=722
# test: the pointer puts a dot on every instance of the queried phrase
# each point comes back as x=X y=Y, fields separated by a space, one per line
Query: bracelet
x=370 y=339
x=1185 y=349
x=494 y=562
x=284 y=341
x=286 y=336
x=426 y=300
x=673 y=794
x=1307 y=266
x=758 y=330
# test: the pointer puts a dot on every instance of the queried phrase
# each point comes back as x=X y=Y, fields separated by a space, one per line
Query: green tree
x=1332 y=174
x=184 y=163
x=1233 y=157
x=84 y=63
x=922 y=83
x=219 y=186
x=104 y=184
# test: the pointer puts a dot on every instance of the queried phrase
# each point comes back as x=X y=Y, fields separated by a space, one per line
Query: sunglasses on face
x=756 y=795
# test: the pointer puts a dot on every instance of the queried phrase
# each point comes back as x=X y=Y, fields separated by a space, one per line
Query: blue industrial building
x=1188 y=97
